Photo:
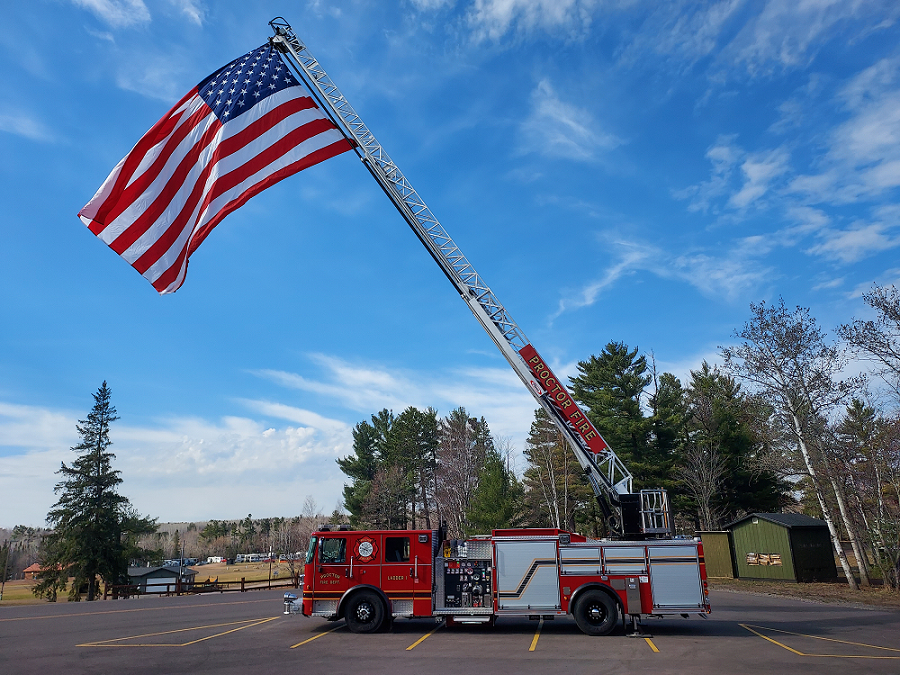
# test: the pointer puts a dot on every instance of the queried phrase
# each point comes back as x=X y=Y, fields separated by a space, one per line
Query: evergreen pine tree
x=94 y=527
x=496 y=501
x=610 y=386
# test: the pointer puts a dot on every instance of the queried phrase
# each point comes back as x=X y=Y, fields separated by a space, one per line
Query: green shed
x=718 y=554
x=786 y=546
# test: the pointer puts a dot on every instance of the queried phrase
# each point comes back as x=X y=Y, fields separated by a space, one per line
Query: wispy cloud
x=117 y=13
x=857 y=241
x=555 y=128
x=495 y=393
x=23 y=125
x=632 y=258
x=493 y=19
x=724 y=157
x=717 y=273
x=759 y=171
x=194 y=10
x=428 y=5
x=790 y=34
x=862 y=158
x=734 y=39
x=738 y=179
x=155 y=76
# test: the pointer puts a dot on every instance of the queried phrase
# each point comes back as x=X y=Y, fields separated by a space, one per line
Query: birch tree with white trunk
x=786 y=357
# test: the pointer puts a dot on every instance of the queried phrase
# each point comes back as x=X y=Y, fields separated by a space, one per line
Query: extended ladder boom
x=610 y=479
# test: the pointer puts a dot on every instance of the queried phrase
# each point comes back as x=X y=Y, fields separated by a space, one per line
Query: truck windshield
x=311 y=551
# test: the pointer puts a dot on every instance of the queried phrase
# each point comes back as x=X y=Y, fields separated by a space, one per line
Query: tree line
x=787 y=422
x=784 y=423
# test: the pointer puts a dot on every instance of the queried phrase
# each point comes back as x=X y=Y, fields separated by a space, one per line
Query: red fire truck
x=371 y=577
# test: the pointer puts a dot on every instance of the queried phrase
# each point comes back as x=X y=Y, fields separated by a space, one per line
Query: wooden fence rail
x=122 y=591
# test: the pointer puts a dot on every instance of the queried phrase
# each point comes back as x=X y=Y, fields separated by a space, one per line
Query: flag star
x=257 y=94
x=225 y=114
x=241 y=102
x=271 y=86
x=244 y=90
x=229 y=101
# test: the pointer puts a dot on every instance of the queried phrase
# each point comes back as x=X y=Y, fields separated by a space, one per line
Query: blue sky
x=631 y=171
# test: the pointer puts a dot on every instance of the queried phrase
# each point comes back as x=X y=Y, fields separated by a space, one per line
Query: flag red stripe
x=309 y=160
x=227 y=147
x=264 y=158
x=156 y=133
x=336 y=148
x=191 y=169
x=164 y=197
x=133 y=192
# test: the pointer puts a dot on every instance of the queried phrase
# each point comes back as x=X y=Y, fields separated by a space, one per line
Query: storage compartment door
x=675 y=577
x=527 y=575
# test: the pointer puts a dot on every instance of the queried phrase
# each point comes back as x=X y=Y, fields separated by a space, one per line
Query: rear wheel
x=595 y=613
x=364 y=612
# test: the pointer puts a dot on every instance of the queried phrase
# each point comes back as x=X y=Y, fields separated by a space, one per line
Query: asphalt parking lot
x=246 y=633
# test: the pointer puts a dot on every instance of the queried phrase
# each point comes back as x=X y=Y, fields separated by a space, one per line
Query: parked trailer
x=371 y=577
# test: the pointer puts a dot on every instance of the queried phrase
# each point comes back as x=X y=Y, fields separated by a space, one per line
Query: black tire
x=595 y=613
x=364 y=612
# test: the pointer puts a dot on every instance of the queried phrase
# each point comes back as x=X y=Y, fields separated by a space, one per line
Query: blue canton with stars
x=236 y=88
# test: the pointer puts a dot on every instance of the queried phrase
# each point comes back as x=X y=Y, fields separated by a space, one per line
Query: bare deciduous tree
x=785 y=355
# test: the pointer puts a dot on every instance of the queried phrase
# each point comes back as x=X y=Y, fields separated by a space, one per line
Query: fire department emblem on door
x=366 y=549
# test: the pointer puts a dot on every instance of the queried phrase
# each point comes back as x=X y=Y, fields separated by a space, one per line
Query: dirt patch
x=832 y=593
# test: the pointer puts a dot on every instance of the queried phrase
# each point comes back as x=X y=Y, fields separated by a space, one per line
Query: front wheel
x=365 y=612
x=595 y=613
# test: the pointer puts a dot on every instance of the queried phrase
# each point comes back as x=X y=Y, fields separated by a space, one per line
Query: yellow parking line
x=248 y=623
x=316 y=637
x=127 y=611
x=537 y=634
x=818 y=637
x=209 y=637
x=424 y=637
x=652 y=646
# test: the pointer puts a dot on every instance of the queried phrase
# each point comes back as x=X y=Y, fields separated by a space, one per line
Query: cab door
x=397 y=572
x=331 y=576
x=406 y=572
x=422 y=557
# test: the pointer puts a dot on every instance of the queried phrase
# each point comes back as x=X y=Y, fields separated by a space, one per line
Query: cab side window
x=332 y=550
x=396 y=549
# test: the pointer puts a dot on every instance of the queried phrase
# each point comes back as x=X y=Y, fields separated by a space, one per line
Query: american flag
x=242 y=129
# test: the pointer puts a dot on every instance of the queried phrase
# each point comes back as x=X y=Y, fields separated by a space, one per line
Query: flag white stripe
x=222 y=167
x=191 y=106
x=153 y=205
x=237 y=160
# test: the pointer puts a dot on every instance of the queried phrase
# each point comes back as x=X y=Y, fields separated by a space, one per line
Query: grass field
x=19 y=592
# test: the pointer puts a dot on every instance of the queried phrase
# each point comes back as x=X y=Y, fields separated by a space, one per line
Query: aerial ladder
x=629 y=515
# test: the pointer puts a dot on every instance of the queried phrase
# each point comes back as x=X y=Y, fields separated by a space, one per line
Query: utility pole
x=181 y=568
x=9 y=544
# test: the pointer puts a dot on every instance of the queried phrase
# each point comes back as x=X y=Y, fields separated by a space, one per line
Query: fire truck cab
x=370 y=577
